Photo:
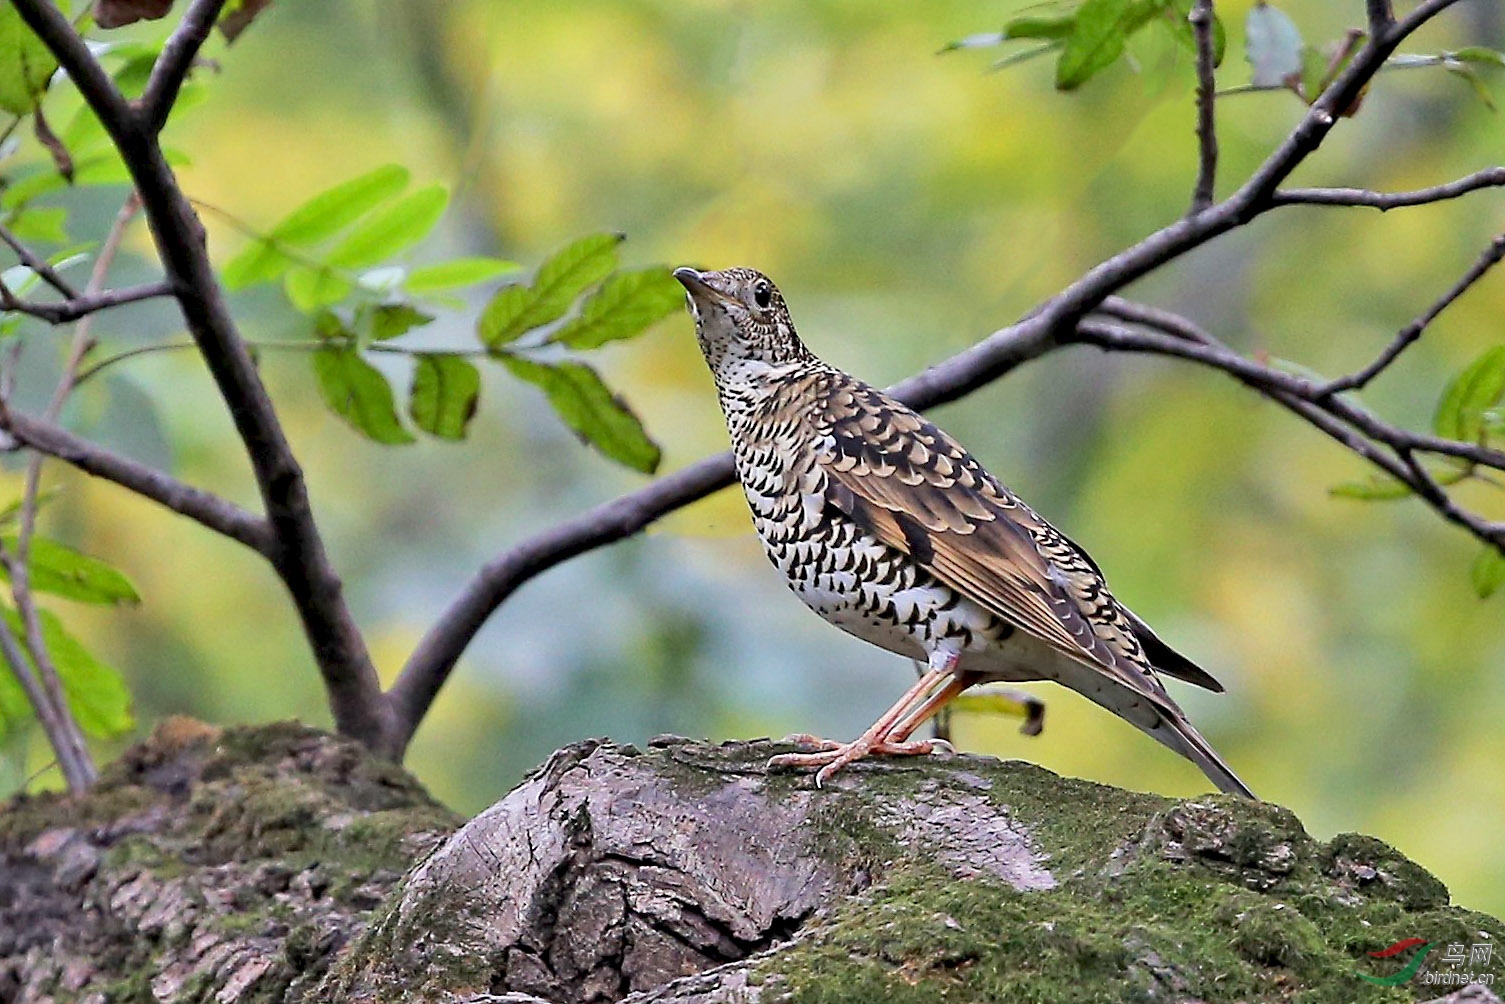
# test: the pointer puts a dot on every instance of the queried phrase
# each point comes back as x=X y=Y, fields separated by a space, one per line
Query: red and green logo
x=1411 y=967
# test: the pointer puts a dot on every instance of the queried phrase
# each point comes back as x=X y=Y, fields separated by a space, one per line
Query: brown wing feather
x=915 y=488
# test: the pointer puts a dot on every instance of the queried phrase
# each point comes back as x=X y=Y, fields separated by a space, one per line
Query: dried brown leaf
x=118 y=13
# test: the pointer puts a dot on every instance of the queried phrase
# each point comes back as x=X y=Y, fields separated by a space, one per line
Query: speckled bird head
x=742 y=324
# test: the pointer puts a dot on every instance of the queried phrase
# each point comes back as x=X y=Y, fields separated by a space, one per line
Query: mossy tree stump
x=267 y=865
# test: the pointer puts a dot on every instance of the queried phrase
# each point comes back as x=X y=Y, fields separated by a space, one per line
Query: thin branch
x=210 y=510
x=41 y=703
x=37 y=265
x=82 y=306
x=1201 y=18
x=1381 y=17
x=61 y=726
x=176 y=60
x=1491 y=177
x=1167 y=321
x=63 y=732
x=1411 y=332
x=1356 y=429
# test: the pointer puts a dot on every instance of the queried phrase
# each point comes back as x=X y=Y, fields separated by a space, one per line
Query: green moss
x=1213 y=900
x=1078 y=823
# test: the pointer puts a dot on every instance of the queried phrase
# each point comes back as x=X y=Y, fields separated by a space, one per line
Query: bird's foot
x=832 y=757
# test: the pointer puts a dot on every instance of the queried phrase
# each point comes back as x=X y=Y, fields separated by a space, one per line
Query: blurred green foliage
x=907 y=204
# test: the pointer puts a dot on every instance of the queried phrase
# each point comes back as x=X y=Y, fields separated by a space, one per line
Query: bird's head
x=741 y=321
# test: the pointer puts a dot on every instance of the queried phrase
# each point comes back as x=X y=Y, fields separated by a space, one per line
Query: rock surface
x=267 y=865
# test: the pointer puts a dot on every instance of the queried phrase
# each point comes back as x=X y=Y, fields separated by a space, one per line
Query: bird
x=889 y=529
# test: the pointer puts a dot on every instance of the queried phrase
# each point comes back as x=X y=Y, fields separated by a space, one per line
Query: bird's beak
x=695 y=284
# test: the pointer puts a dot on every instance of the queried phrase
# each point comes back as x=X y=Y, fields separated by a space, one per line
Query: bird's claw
x=832 y=757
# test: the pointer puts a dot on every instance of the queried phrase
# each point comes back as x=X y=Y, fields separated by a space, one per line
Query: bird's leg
x=905 y=728
x=877 y=737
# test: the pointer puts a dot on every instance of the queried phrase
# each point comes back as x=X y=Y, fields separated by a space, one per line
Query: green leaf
x=96 y=693
x=1474 y=81
x=391 y=229
x=334 y=209
x=11 y=512
x=1474 y=391
x=357 y=392
x=1178 y=16
x=318 y=219
x=1478 y=54
x=26 y=65
x=389 y=320
x=1101 y=30
x=309 y=288
x=625 y=305
x=62 y=571
x=1488 y=571
x=498 y=324
x=587 y=406
x=1047 y=26
x=445 y=391
x=1272 y=44
x=1376 y=488
x=41 y=225
x=1314 y=74
x=15 y=709
x=569 y=272
x=457 y=273
x=257 y=262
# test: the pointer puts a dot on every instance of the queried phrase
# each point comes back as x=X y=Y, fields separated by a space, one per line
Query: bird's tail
x=1175 y=731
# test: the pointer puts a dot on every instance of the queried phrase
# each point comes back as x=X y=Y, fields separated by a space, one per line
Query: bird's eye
x=762 y=293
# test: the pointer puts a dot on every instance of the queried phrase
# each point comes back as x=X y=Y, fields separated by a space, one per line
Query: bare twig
x=40 y=700
x=176 y=60
x=82 y=306
x=1387 y=446
x=1381 y=17
x=1201 y=18
x=37 y=265
x=210 y=510
x=62 y=729
x=1492 y=177
x=1411 y=332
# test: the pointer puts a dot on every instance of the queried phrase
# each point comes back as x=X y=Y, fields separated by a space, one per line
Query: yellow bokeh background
x=908 y=203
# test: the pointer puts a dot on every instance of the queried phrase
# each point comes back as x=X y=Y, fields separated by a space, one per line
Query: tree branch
x=210 y=510
x=176 y=60
x=81 y=306
x=1381 y=17
x=41 y=702
x=1356 y=429
x=37 y=265
x=1201 y=18
x=1411 y=332
x=1491 y=177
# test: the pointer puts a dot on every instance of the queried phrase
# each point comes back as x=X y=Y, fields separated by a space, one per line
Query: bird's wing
x=914 y=488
